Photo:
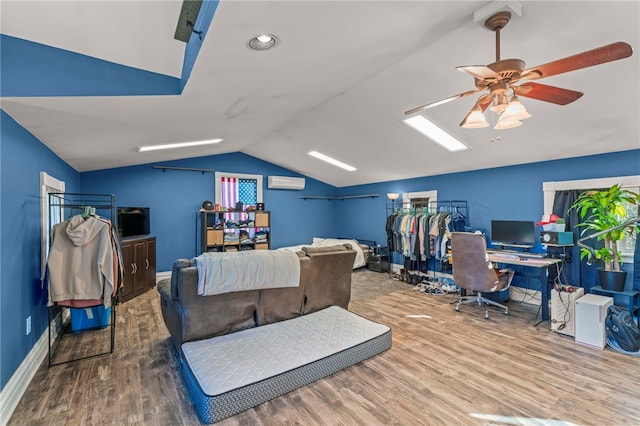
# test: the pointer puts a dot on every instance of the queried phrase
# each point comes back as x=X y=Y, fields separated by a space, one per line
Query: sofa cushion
x=279 y=304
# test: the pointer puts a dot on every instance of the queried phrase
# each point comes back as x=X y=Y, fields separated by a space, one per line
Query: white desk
x=541 y=263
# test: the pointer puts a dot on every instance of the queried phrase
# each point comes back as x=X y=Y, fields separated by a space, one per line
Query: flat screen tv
x=513 y=233
x=133 y=221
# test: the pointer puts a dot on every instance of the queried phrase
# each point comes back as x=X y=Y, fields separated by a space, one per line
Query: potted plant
x=560 y=225
x=603 y=212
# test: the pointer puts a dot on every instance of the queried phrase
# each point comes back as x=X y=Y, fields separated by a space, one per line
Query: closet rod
x=346 y=197
x=80 y=206
x=185 y=169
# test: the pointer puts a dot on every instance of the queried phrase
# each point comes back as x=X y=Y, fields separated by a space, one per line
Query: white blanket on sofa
x=246 y=270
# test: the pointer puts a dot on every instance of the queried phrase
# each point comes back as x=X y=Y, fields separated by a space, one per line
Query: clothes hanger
x=88 y=211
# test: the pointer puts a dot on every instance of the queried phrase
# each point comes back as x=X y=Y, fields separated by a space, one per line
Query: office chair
x=473 y=271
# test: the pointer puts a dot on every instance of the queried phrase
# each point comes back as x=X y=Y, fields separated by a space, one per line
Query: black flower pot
x=612 y=280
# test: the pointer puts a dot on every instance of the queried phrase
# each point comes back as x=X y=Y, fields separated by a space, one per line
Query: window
x=627 y=246
x=419 y=198
x=233 y=187
x=48 y=217
x=628 y=182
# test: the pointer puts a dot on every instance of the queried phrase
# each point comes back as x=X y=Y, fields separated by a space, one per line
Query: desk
x=540 y=263
x=633 y=297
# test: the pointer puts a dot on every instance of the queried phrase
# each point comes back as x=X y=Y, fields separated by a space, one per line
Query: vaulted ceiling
x=338 y=82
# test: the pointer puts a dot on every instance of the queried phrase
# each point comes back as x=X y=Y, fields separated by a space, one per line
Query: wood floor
x=444 y=368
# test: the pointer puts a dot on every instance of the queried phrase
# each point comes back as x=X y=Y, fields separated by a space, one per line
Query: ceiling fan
x=499 y=78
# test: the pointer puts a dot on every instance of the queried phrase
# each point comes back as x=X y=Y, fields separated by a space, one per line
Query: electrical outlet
x=28 y=325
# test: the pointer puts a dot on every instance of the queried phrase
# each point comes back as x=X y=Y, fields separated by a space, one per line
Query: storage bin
x=88 y=318
x=215 y=237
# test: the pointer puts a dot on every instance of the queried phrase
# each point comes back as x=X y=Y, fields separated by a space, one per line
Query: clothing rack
x=62 y=206
x=458 y=210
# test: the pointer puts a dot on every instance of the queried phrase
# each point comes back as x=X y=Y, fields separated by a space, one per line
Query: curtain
x=577 y=272
x=636 y=265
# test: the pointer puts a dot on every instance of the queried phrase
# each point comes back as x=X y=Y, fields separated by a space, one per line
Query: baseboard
x=162 y=275
x=17 y=385
x=435 y=274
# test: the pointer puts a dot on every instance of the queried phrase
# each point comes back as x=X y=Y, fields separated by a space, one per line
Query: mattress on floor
x=228 y=374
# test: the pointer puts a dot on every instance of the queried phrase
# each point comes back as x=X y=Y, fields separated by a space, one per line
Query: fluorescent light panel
x=177 y=145
x=435 y=133
x=332 y=161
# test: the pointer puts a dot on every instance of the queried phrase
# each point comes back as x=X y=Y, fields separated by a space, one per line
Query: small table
x=631 y=299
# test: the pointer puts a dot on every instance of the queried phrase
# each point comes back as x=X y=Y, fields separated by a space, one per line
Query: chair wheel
x=506 y=312
x=457 y=308
x=486 y=316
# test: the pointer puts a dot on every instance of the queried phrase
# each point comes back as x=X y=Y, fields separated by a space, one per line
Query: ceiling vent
x=285 y=182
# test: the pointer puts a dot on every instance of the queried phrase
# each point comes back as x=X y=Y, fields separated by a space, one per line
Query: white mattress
x=225 y=375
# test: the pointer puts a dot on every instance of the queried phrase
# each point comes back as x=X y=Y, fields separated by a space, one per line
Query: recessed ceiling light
x=177 y=145
x=435 y=133
x=262 y=42
x=332 y=161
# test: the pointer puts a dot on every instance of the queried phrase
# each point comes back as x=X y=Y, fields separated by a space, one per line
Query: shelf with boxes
x=235 y=230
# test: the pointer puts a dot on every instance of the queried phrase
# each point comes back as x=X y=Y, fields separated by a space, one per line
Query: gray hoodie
x=81 y=261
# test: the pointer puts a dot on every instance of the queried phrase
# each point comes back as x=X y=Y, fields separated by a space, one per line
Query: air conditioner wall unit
x=285 y=182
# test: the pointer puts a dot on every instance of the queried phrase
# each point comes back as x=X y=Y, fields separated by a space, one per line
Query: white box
x=563 y=312
x=591 y=311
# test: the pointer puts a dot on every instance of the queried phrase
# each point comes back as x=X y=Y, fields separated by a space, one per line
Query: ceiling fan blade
x=442 y=101
x=543 y=92
x=600 y=55
x=484 y=101
x=480 y=72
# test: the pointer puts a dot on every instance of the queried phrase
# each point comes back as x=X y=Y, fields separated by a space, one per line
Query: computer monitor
x=513 y=233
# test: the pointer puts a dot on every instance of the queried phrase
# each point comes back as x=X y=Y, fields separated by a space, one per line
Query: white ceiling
x=338 y=82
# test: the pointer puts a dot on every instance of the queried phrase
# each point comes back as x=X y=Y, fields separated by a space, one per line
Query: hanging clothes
x=81 y=262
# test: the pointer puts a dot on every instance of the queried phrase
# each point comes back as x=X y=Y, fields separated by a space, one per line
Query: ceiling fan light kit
x=499 y=78
x=475 y=119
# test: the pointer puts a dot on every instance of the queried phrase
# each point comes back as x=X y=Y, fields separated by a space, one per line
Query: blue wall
x=513 y=192
x=34 y=69
x=175 y=196
x=22 y=159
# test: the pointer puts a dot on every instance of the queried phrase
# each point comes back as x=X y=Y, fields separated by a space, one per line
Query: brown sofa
x=325 y=280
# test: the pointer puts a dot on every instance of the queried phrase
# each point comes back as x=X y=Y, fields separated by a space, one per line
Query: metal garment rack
x=74 y=203
x=454 y=207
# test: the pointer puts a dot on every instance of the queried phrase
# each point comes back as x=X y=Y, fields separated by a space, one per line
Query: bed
x=362 y=248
